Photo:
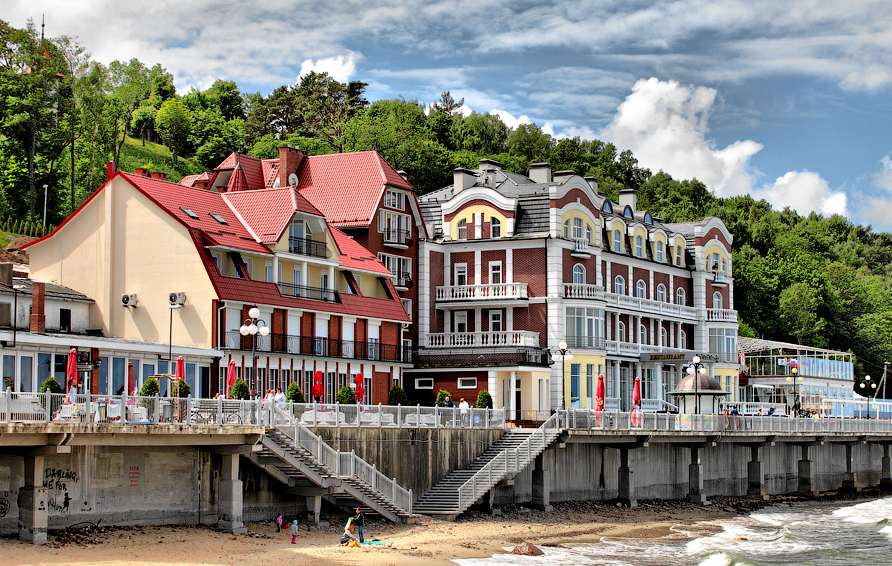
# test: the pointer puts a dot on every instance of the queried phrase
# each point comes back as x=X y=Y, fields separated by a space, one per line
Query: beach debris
x=526 y=549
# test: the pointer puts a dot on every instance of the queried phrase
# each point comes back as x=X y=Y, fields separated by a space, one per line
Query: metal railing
x=470 y=357
x=341 y=464
x=312 y=293
x=317 y=346
x=306 y=246
x=398 y=237
x=506 y=463
x=336 y=414
x=496 y=291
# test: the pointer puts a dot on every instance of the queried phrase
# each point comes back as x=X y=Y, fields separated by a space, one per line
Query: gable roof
x=259 y=173
x=355 y=256
x=268 y=212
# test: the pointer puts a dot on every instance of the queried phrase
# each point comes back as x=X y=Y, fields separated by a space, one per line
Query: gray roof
x=53 y=291
x=532 y=214
x=699 y=384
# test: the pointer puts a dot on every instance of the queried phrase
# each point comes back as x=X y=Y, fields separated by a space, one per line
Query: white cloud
x=339 y=67
x=804 y=192
x=876 y=208
x=509 y=120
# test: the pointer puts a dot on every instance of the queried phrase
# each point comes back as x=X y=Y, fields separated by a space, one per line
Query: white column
x=509 y=265
x=304 y=274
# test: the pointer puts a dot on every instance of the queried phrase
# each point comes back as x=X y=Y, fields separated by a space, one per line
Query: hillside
x=156 y=157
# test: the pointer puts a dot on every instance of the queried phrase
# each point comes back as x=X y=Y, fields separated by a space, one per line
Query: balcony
x=581 y=248
x=634 y=349
x=719 y=315
x=585 y=342
x=317 y=346
x=402 y=280
x=306 y=246
x=583 y=291
x=311 y=293
x=397 y=238
x=650 y=307
x=719 y=279
x=503 y=357
x=483 y=339
x=495 y=292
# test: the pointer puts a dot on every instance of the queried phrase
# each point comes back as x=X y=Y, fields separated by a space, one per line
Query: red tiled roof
x=355 y=256
x=189 y=180
x=347 y=187
x=268 y=212
x=259 y=173
x=237 y=181
x=270 y=169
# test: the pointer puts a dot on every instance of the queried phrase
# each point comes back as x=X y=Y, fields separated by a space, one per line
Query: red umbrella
x=360 y=389
x=636 y=402
x=599 y=398
x=71 y=376
x=131 y=384
x=318 y=385
x=230 y=377
x=180 y=372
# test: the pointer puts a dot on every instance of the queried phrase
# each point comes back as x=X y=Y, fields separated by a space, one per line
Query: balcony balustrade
x=650 y=306
x=511 y=338
x=581 y=247
x=306 y=246
x=312 y=293
x=492 y=292
x=317 y=346
x=398 y=237
x=583 y=291
x=720 y=315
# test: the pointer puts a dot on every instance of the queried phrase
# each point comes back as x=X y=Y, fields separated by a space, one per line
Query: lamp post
x=794 y=379
x=45 y=189
x=252 y=326
x=866 y=385
x=698 y=368
x=563 y=355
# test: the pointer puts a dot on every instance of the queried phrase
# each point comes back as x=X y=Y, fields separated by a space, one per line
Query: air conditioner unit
x=128 y=300
x=177 y=298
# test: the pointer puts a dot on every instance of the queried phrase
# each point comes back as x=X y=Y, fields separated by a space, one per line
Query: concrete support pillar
x=229 y=498
x=806 y=485
x=541 y=485
x=885 y=477
x=695 y=479
x=33 y=503
x=314 y=506
x=626 y=485
x=755 y=479
x=850 y=483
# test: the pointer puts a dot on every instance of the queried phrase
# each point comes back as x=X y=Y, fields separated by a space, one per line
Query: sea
x=804 y=533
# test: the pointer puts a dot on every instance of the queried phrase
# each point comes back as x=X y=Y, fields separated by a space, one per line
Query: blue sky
x=787 y=101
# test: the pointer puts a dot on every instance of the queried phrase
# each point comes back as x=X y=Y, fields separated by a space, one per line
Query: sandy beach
x=428 y=542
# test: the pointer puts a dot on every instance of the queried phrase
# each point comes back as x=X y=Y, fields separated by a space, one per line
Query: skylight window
x=218 y=218
x=191 y=214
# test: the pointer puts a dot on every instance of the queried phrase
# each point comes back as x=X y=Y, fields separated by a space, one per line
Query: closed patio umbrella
x=230 y=378
x=318 y=386
x=599 y=398
x=72 y=378
x=179 y=372
x=360 y=389
x=131 y=383
x=636 y=402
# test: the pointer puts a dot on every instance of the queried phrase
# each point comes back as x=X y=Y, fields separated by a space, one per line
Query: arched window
x=642 y=334
x=627 y=212
x=607 y=207
x=717 y=300
x=495 y=227
x=680 y=298
x=619 y=285
x=462 y=229
x=577 y=229
x=682 y=340
x=661 y=293
x=578 y=274
x=639 y=247
x=648 y=219
x=679 y=253
x=617 y=242
x=660 y=251
x=664 y=337
x=589 y=235
x=566 y=229
x=620 y=332
x=714 y=262
x=641 y=289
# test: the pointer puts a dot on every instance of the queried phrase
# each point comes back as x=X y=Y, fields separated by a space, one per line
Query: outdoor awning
x=762 y=386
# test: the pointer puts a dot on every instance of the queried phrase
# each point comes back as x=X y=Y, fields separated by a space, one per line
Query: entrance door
x=518 y=413
x=625 y=389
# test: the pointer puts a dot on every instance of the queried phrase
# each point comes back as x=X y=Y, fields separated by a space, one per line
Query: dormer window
x=607 y=207
x=462 y=229
x=660 y=251
x=639 y=246
x=495 y=227
x=648 y=219
x=394 y=199
x=617 y=241
x=627 y=212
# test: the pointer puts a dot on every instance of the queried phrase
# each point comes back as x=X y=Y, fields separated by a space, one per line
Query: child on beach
x=294 y=532
x=279 y=523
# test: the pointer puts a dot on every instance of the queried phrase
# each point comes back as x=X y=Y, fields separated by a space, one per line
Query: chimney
x=141 y=171
x=289 y=161
x=462 y=179
x=110 y=170
x=562 y=176
x=38 y=316
x=540 y=172
x=404 y=175
x=6 y=274
x=592 y=182
x=160 y=175
x=488 y=169
x=628 y=197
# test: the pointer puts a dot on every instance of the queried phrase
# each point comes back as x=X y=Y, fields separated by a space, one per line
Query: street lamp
x=866 y=385
x=252 y=326
x=794 y=379
x=563 y=355
x=696 y=367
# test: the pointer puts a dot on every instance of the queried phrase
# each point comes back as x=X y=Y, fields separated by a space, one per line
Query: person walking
x=279 y=523
x=294 y=532
x=463 y=408
x=359 y=523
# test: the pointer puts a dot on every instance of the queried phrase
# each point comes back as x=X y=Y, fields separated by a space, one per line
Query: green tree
x=481 y=133
x=173 y=122
x=529 y=141
x=150 y=388
x=294 y=393
x=397 y=396
x=441 y=397
x=346 y=396
x=239 y=390
x=484 y=400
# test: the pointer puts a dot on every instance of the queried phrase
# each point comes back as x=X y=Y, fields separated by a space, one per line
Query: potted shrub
x=484 y=400
x=50 y=386
x=294 y=394
x=346 y=396
x=397 y=396
x=239 y=390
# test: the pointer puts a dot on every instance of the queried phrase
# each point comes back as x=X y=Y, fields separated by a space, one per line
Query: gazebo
x=699 y=394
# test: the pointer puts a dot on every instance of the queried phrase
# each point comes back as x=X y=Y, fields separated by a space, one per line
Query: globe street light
x=696 y=367
x=563 y=355
x=252 y=326
x=866 y=385
x=794 y=379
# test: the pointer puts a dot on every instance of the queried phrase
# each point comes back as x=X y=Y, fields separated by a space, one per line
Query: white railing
x=656 y=405
x=318 y=414
x=512 y=338
x=341 y=464
x=752 y=408
x=506 y=463
x=719 y=277
x=482 y=292
x=583 y=291
x=581 y=246
x=650 y=306
x=719 y=315
x=622 y=348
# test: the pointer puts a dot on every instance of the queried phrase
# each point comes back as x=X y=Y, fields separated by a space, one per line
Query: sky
x=784 y=100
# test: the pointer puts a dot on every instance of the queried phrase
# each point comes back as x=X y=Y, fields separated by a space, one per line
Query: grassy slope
x=155 y=157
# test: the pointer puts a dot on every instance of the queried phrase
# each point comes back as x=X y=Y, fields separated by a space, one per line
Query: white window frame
x=661 y=293
x=660 y=251
x=268 y=272
x=620 y=331
x=682 y=340
x=460 y=317
x=400 y=266
x=394 y=199
x=495 y=227
x=495 y=268
x=496 y=318
x=461 y=229
x=395 y=226
x=249 y=266
x=681 y=294
x=577 y=229
x=460 y=270
x=578 y=274
x=218 y=261
x=679 y=251
x=717 y=300
x=619 y=285
x=589 y=234
x=639 y=246
x=465 y=383
x=424 y=383
x=641 y=289
x=407 y=304
x=617 y=242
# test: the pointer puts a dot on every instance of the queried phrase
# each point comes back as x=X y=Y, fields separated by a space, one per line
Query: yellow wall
x=717 y=249
x=467 y=215
x=586 y=219
x=112 y=247
x=678 y=241
x=659 y=237
x=583 y=361
x=613 y=227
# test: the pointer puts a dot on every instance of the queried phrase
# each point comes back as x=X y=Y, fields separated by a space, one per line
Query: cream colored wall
x=658 y=237
x=714 y=248
x=583 y=361
x=612 y=228
x=121 y=242
x=467 y=214
x=679 y=241
x=586 y=219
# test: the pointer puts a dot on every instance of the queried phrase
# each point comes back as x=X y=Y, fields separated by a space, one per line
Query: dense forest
x=811 y=280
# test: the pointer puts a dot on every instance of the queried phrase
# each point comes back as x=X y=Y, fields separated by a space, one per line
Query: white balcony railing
x=635 y=349
x=720 y=315
x=581 y=247
x=498 y=291
x=583 y=291
x=511 y=338
x=650 y=306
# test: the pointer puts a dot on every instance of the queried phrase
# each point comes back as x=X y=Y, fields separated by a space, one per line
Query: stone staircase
x=294 y=463
x=505 y=458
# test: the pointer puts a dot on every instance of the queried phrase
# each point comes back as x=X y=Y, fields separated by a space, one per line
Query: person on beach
x=279 y=523
x=294 y=532
x=349 y=535
x=359 y=523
